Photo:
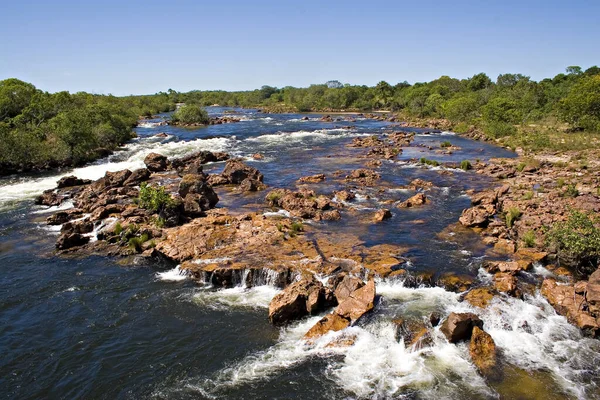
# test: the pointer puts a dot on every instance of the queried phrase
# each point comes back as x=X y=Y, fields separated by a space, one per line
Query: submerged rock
x=483 y=351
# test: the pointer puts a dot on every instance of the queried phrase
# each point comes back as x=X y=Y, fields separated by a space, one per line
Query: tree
x=478 y=82
x=574 y=70
x=334 y=84
x=191 y=114
x=15 y=95
x=581 y=107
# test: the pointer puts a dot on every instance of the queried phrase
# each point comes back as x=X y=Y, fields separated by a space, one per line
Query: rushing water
x=74 y=327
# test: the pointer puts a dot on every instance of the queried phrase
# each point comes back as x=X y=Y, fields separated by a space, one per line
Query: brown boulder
x=236 y=171
x=382 y=215
x=416 y=200
x=570 y=304
x=477 y=216
x=507 y=283
x=511 y=267
x=344 y=285
x=455 y=283
x=251 y=185
x=358 y=303
x=297 y=300
x=115 y=179
x=344 y=195
x=483 y=351
x=459 y=326
x=592 y=293
x=156 y=162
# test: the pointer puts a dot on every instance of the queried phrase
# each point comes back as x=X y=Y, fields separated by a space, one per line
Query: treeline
x=497 y=106
x=41 y=130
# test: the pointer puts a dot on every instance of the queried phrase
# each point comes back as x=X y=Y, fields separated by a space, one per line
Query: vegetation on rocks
x=190 y=114
x=154 y=198
x=577 y=239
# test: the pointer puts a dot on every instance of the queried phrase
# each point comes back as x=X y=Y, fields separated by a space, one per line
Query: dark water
x=93 y=328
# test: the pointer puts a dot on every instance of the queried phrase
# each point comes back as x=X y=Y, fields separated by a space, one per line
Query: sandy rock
x=455 y=283
x=477 y=216
x=507 y=283
x=137 y=176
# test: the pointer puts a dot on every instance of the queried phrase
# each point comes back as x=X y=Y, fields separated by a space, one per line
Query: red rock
x=459 y=326
x=483 y=351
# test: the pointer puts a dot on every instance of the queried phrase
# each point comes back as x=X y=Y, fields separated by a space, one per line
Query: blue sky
x=124 y=47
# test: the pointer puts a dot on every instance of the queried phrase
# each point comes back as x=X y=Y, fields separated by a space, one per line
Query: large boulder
x=236 y=171
x=193 y=163
x=483 y=351
x=156 y=162
x=307 y=296
x=358 y=303
x=459 y=326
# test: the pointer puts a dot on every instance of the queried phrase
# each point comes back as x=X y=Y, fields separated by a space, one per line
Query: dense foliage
x=154 y=198
x=190 y=114
x=577 y=240
x=41 y=130
x=497 y=107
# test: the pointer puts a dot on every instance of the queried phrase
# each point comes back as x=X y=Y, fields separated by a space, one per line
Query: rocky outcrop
x=477 y=216
x=303 y=203
x=480 y=297
x=573 y=305
x=332 y=322
x=69 y=240
x=365 y=177
x=236 y=171
x=459 y=326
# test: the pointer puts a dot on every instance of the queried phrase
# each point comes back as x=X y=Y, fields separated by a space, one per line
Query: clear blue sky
x=124 y=47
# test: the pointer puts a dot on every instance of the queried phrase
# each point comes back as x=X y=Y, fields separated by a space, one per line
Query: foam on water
x=237 y=297
x=528 y=333
x=173 y=275
x=64 y=206
x=132 y=157
x=299 y=136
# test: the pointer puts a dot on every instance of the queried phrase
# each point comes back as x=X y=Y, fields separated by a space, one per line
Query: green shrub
x=498 y=129
x=445 y=144
x=511 y=216
x=529 y=239
x=154 y=198
x=465 y=165
x=528 y=195
x=461 y=127
x=521 y=166
x=560 y=182
x=191 y=114
x=571 y=191
x=118 y=228
x=427 y=161
x=136 y=242
x=296 y=228
x=576 y=240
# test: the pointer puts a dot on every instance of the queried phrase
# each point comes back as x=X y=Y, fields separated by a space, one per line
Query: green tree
x=581 y=107
x=191 y=114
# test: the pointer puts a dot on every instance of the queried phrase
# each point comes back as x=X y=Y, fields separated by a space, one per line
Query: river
x=99 y=328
